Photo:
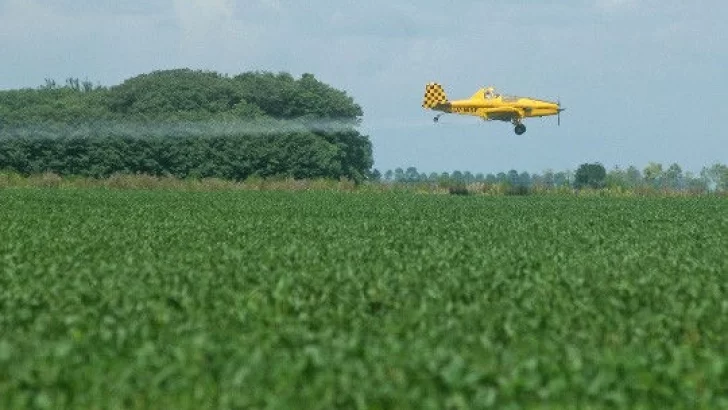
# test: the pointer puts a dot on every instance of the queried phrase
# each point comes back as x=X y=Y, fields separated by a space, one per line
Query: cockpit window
x=490 y=93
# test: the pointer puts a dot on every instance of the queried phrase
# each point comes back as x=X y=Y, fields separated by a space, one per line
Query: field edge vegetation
x=10 y=179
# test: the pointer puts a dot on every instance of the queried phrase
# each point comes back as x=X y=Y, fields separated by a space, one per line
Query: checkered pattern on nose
x=434 y=95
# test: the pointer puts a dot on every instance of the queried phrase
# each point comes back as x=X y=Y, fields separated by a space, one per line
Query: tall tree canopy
x=251 y=115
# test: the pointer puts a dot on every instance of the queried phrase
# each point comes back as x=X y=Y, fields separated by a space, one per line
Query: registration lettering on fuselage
x=465 y=109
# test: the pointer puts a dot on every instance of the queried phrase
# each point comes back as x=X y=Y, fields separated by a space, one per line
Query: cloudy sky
x=642 y=80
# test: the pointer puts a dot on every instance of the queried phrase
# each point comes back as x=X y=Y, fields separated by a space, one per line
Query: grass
x=9 y=179
x=324 y=299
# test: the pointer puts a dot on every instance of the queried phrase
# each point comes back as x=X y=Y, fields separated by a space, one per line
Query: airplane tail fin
x=434 y=95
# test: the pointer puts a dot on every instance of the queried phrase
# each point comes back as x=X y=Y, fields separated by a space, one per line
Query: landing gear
x=437 y=118
x=520 y=129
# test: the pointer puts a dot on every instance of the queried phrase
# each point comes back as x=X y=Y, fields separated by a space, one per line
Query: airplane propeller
x=558 y=114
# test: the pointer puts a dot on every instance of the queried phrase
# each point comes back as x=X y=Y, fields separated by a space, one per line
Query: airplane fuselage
x=500 y=108
x=489 y=105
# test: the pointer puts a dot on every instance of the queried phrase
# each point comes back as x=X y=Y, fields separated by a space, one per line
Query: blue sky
x=642 y=80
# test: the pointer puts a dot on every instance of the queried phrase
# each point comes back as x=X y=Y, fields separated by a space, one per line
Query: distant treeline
x=186 y=123
x=653 y=177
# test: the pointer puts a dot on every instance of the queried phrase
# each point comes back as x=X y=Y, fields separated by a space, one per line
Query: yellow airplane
x=489 y=105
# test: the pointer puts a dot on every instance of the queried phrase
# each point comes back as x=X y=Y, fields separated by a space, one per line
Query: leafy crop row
x=135 y=299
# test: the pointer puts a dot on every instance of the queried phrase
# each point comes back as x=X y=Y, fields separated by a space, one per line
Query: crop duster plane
x=489 y=105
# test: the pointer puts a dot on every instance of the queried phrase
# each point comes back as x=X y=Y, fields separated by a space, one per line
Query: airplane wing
x=503 y=113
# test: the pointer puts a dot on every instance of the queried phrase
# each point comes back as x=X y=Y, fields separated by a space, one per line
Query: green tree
x=617 y=177
x=548 y=179
x=653 y=174
x=399 y=174
x=457 y=176
x=716 y=177
x=513 y=177
x=411 y=175
x=695 y=184
x=375 y=175
x=282 y=96
x=189 y=123
x=673 y=177
x=590 y=175
x=524 y=179
x=633 y=176
x=561 y=178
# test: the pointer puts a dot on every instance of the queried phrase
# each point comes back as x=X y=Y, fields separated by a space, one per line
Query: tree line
x=655 y=176
x=186 y=123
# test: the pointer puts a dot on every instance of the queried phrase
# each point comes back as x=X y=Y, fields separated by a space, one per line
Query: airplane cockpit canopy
x=491 y=93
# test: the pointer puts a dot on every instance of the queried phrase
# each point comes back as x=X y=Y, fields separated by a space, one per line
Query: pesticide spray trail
x=228 y=127
x=416 y=125
x=178 y=128
x=396 y=125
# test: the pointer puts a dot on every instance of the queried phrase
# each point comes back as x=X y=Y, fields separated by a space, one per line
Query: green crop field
x=190 y=300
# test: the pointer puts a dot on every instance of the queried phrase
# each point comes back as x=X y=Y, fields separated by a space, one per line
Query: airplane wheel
x=520 y=129
x=436 y=119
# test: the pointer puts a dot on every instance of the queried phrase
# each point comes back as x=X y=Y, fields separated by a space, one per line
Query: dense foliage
x=186 y=123
x=292 y=154
x=152 y=299
x=590 y=175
